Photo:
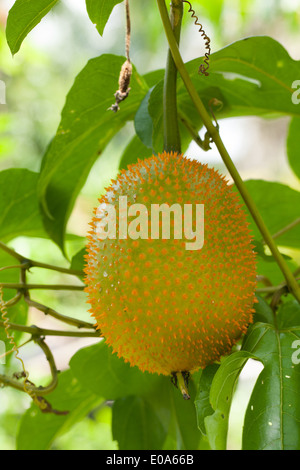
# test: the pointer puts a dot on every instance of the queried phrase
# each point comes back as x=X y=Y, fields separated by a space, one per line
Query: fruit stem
x=215 y=136
x=172 y=141
x=182 y=384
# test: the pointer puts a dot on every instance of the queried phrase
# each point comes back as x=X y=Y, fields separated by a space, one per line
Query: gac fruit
x=160 y=306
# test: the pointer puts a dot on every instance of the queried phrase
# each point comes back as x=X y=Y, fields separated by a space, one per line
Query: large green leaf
x=263 y=312
x=217 y=386
x=104 y=374
x=221 y=394
x=289 y=315
x=149 y=120
x=78 y=262
x=253 y=76
x=278 y=205
x=38 y=430
x=183 y=426
x=202 y=401
x=99 y=11
x=177 y=415
x=108 y=376
x=143 y=121
x=293 y=145
x=85 y=129
x=136 y=426
x=23 y=17
x=272 y=417
x=19 y=208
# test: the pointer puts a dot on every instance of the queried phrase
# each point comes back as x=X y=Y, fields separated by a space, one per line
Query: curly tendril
x=15 y=348
x=203 y=68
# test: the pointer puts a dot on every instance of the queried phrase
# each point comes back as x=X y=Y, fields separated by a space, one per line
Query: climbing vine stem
x=29 y=263
x=171 y=128
x=215 y=137
x=37 y=331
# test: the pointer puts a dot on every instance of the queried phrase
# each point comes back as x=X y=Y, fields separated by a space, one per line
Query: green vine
x=172 y=142
x=216 y=138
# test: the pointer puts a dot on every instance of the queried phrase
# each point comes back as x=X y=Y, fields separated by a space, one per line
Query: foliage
x=252 y=76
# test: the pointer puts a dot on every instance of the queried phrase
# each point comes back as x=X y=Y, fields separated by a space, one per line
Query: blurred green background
x=37 y=80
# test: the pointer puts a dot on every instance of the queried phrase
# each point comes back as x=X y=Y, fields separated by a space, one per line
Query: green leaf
x=149 y=119
x=135 y=150
x=136 y=426
x=289 y=314
x=252 y=76
x=184 y=413
x=202 y=403
x=272 y=416
x=19 y=208
x=177 y=415
x=293 y=145
x=99 y=12
x=143 y=121
x=78 y=261
x=221 y=394
x=102 y=372
x=260 y=250
x=106 y=375
x=278 y=205
x=155 y=110
x=272 y=271
x=152 y=78
x=266 y=263
x=263 y=312
x=23 y=17
x=38 y=430
x=86 y=128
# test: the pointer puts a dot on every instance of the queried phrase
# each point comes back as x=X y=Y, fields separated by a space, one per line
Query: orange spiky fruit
x=162 y=307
